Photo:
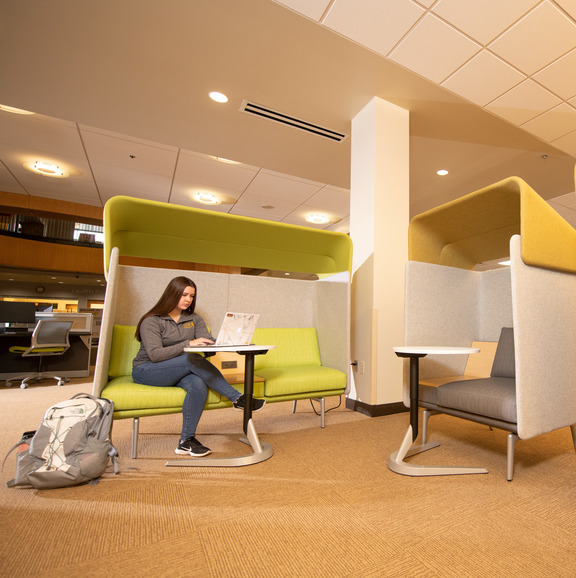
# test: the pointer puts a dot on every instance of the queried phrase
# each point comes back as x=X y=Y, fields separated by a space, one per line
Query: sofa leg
x=512 y=439
x=294 y=405
x=322 y=411
x=135 y=430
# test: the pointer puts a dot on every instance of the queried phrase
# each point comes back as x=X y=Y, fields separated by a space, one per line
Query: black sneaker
x=257 y=404
x=193 y=447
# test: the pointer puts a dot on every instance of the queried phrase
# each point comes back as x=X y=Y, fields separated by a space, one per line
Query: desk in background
x=74 y=363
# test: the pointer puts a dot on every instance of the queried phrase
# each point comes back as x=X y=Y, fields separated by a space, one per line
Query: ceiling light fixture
x=206 y=198
x=47 y=169
x=317 y=218
x=442 y=172
x=218 y=97
x=14 y=110
x=505 y=263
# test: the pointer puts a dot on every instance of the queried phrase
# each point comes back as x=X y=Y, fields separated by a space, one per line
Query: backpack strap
x=26 y=437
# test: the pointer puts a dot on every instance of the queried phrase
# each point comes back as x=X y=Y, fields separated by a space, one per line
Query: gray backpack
x=72 y=445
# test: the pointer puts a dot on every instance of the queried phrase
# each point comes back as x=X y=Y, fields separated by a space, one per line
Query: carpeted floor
x=324 y=505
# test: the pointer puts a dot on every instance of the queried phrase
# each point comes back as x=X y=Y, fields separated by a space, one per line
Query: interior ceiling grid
x=527 y=48
x=478 y=39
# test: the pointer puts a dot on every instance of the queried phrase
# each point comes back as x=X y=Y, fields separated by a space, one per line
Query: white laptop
x=236 y=329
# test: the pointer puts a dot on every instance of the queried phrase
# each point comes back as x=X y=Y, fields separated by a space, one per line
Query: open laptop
x=236 y=329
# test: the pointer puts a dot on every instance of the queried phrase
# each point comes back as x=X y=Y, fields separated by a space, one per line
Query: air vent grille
x=264 y=112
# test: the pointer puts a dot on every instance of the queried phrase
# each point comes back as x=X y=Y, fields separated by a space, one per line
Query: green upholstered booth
x=290 y=309
x=450 y=303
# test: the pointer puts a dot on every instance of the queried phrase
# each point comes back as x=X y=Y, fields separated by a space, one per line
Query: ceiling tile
x=260 y=206
x=568 y=200
x=541 y=37
x=206 y=170
x=433 y=49
x=523 y=103
x=282 y=187
x=483 y=20
x=471 y=82
x=379 y=25
x=41 y=134
x=8 y=183
x=128 y=153
x=554 y=123
x=331 y=199
x=559 y=77
x=311 y=8
x=567 y=143
x=569 y=6
x=112 y=180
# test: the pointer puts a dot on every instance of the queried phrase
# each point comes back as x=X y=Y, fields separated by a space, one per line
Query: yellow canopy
x=478 y=227
x=141 y=228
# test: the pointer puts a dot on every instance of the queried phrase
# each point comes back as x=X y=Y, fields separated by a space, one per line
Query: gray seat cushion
x=493 y=397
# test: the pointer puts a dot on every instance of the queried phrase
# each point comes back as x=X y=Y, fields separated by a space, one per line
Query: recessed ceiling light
x=14 y=110
x=505 y=263
x=206 y=198
x=47 y=169
x=317 y=218
x=218 y=97
x=442 y=172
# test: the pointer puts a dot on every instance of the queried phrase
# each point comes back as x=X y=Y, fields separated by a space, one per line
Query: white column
x=379 y=216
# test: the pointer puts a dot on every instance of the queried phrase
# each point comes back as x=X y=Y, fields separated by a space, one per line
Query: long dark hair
x=170 y=299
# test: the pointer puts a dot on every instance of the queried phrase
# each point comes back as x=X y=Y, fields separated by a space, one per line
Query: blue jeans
x=192 y=373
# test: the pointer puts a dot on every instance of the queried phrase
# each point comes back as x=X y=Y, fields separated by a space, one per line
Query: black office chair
x=50 y=337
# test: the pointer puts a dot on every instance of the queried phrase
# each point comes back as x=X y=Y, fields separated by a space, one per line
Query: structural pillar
x=379 y=217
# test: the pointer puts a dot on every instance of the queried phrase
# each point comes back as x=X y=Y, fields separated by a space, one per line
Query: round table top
x=434 y=350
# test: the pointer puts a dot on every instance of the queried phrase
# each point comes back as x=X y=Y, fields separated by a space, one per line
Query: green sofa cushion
x=129 y=395
x=281 y=381
x=294 y=347
x=125 y=346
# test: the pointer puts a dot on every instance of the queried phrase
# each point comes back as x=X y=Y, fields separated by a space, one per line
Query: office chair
x=50 y=337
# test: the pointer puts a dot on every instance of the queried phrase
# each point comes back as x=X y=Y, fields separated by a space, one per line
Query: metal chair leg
x=135 y=430
x=294 y=405
x=512 y=439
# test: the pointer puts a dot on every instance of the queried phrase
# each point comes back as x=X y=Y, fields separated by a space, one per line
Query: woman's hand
x=201 y=341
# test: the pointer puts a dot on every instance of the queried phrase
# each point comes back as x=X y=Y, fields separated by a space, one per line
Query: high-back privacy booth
x=136 y=228
x=449 y=303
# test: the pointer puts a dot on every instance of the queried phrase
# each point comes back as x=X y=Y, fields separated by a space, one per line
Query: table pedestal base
x=397 y=464
x=262 y=451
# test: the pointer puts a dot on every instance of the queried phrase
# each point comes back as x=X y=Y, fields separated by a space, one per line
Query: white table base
x=262 y=451
x=397 y=464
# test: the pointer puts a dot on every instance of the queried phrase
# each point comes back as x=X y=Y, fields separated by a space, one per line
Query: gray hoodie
x=163 y=338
